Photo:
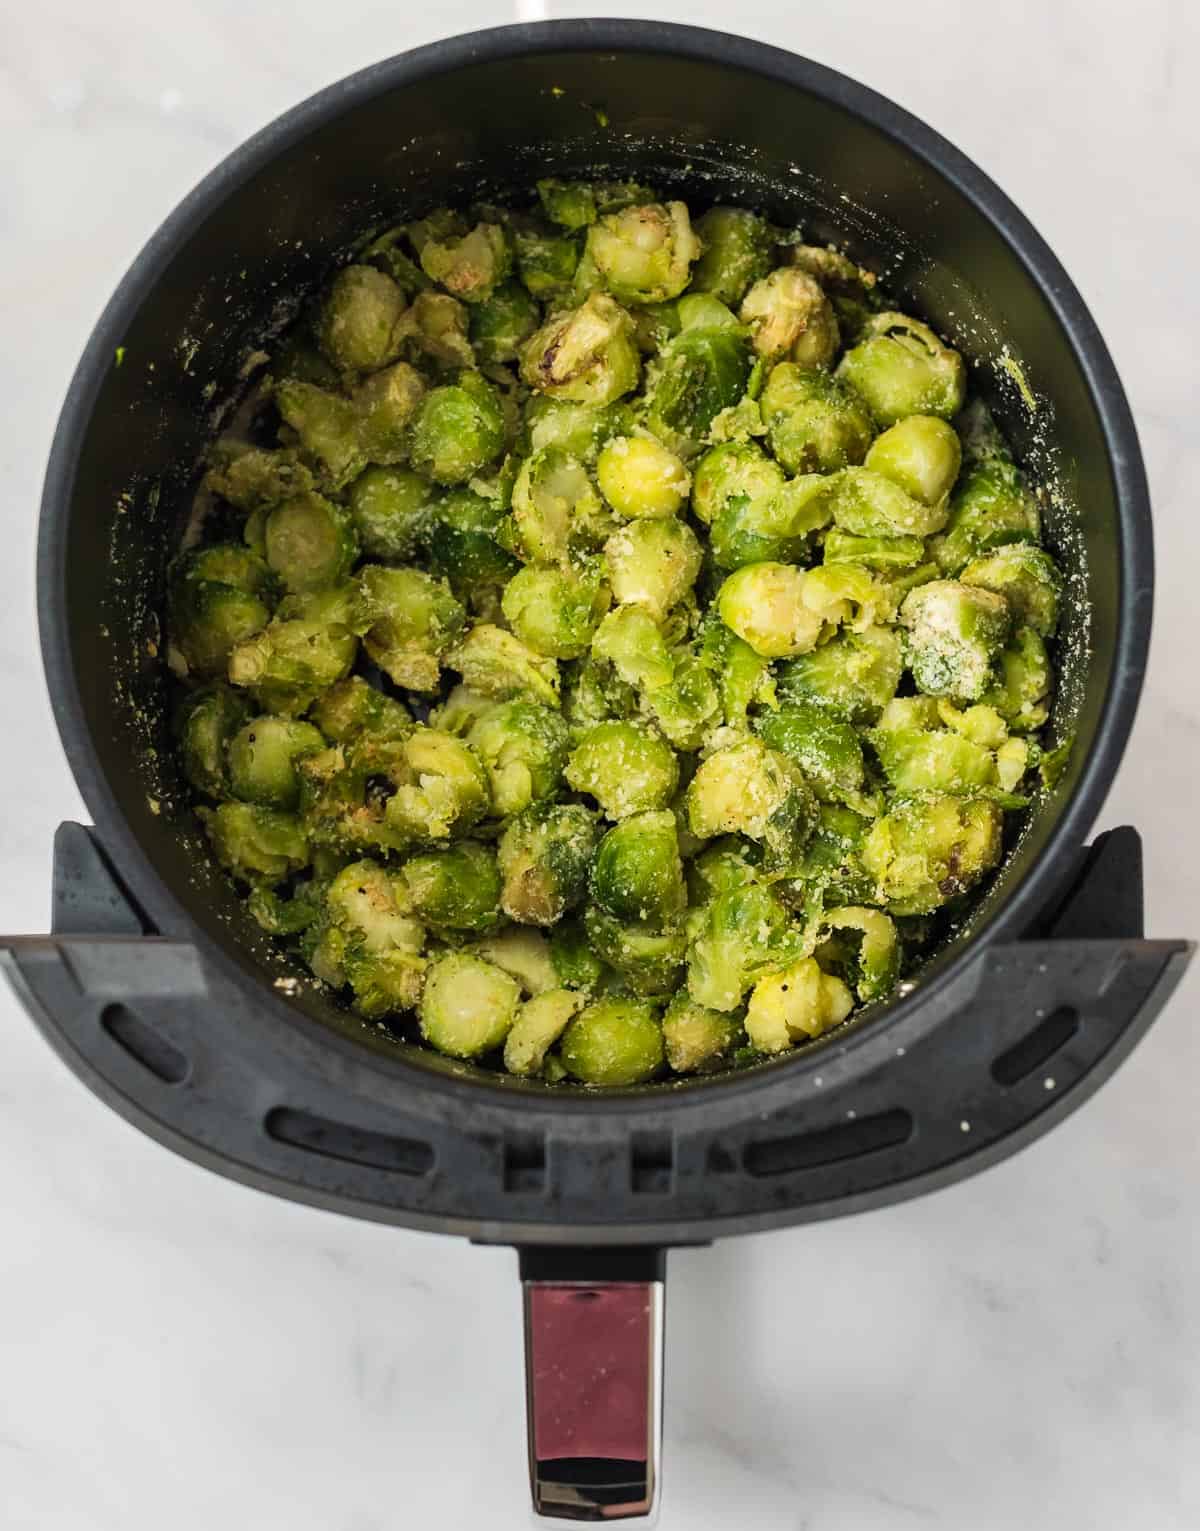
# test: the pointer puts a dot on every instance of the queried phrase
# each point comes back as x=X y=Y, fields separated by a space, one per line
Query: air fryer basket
x=159 y=990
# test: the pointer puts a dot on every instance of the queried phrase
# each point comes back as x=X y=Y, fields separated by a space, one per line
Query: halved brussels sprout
x=638 y=476
x=919 y=760
x=263 y=755
x=735 y=251
x=743 y=676
x=570 y=204
x=499 y=665
x=826 y=749
x=1027 y=577
x=471 y=264
x=523 y=746
x=727 y=863
x=522 y=953
x=732 y=473
x=546 y=263
x=613 y=1042
x=989 y=508
x=414 y=622
x=696 y=376
x=698 y=1040
x=644 y=254
x=653 y=563
x=458 y=429
x=218 y=597
x=748 y=789
x=391 y=511
x=648 y=958
x=789 y=315
x=386 y=403
x=775 y=527
x=256 y=843
x=632 y=642
x=329 y=428
x=763 y=603
x=921 y=454
x=436 y=325
x=794 y=1005
x=886 y=554
x=366 y=937
x=854 y=676
x=955 y=635
x=360 y=327
x=502 y=324
x=552 y=493
x=352 y=707
x=455 y=889
x=544 y=857
x=539 y=1024
x=463 y=546
x=554 y=610
x=925 y=853
x=744 y=934
x=688 y=705
x=438 y=788
x=204 y=723
x=253 y=479
x=815 y=423
x=586 y=355
x=310 y=543
x=580 y=430
x=869 y=505
x=637 y=874
x=901 y=368
x=1022 y=691
x=292 y=660
x=468 y=1006
x=626 y=767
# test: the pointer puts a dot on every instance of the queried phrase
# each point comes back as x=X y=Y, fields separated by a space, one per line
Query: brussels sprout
x=696 y=376
x=883 y=553
x=256 y=843
x=735 y=251
x=835 y=272
x=955 y=635
x=360 y=327
x=648 y=958
x=593 y=693
x=470 y=265
x=815 y=424
x=625 y=767
x=501 y=666
x=523 y=746
x=789 y=315
x=613 y=1042
x=848 y=595
x=981 y=724
x=458 y=429
x=687 y=706
x=413 y=623
x=386 y=404
x=776 y=527
x=463 y=546
x=832 y=868
x=440 y=788
x=539 y=1024
x=328 y=426
x=749 y=789
x=586 y=355
x=310 y=543
x=1027 y=578
x=468 y=1006
x=280 y=916
x=763 y=603
x=366 y=937
x=522 y=953
x=218 y=597
x=644 y=254
x=291 y=661
x=653 y=563
x=869 y=505
x=555 y=611
x=580 y=430
x=253 y=479
x=638 y=476
x=827 y=750
x=702 y=311
x=901 y=368
x=500 y=325
x=544 y=857
x=455 y=889
x=697 y=1040
x=437 y=326
x=1021 y=694
x=917 y=760
x=575 y=963
x=571 y=204
x=552 y=492
x=204 y=723
x=795 y=1004
x=461 y=710
x=387 y=254
x=743 y=676
x=924 y=853
x=390 y=508
x=546 y=263
x=263 y=756
x=631 y=641
x=637 y=874
x=921 y=454
x=722 y=865
x=854 y=676
x=352 y=707
x=989 y=508
x=730 y=474
x=745 y=934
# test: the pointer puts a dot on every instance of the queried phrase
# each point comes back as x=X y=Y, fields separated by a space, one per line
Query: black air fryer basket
x=158 y=992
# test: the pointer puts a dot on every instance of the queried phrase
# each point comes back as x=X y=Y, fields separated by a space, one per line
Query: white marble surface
x=1019 y=1351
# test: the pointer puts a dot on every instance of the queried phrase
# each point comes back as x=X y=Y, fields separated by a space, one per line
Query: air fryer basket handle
x=593 y=1380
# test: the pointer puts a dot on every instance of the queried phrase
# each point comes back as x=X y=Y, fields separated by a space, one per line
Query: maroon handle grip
x=593 y=1377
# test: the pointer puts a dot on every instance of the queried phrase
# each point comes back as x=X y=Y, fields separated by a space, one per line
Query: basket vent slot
x=651 y=1163
x=354 y=1145
x=525 y=1162
x=1037 y=1047
x=828 y=1145
x=151 y=1049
